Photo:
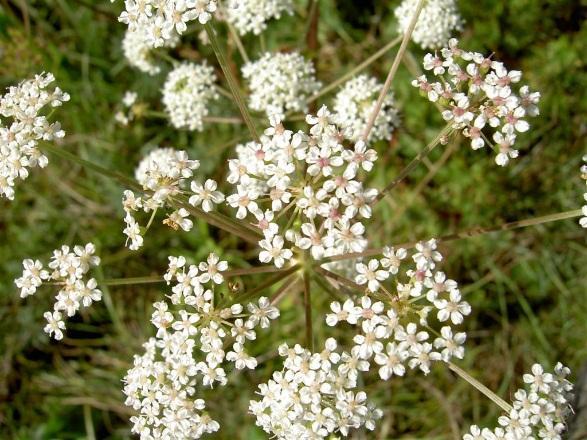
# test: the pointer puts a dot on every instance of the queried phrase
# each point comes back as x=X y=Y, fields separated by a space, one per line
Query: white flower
x=187 y=93
x=451 y=345
x=179 y=219
x=23 y=106
x=164 y=21
x=370 y=274
x=436 y=23
x=55 y=325
x=280 y=82
x=207 y=195
x=354 y=104
x=392 y=360
x=212 y=269
x=273 y=250
x=252 y=15
x=454 y=308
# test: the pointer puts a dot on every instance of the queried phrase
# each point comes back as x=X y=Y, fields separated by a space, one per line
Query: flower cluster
x=303 y=188
x=253 y=15
x=280 y=82
x=68 y=268
x=187 y=93
x=391 y=320
x=538 y=411
x=583 y=220
x=188 y=352
x=22 y=106
x=128 y=101
x=436 y=23
x=354 y=105
x=163 y=174
x=139 y=52
x=313 y=396
x=158 y=22
x=474 y=92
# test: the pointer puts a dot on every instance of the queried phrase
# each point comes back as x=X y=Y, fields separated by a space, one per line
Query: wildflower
x=187 y=93
x=22 y=107
x=164 y=21
x=539 y=412
x=474 y=93
x=253 y=15
x=354 y=105
x=206 y=195
x=163 y=174
x=68 y=268
x=138 y=50
x=313 y=179
x=280 y=82
x=312 y=397
x=436 y=23
x=187 y=352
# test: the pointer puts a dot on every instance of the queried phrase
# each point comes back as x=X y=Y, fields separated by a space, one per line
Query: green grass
x=527 y=287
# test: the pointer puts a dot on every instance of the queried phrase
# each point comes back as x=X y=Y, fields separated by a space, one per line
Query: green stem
x=414 y=163
x=238 y=42
x=270 y=282
x=89 y=424
x=393 y=70
x=232 y=84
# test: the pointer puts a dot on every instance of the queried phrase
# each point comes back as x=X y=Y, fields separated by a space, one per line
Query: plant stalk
x=393 y=70
x=232 y=84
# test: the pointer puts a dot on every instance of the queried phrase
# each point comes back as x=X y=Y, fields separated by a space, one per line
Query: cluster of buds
x=392 y=319
x=188 y=352
x=302 y=190
x=67 y=270
x=26 y=126
x=476 y=92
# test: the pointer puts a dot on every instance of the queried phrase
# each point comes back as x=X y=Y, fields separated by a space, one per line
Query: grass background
x=527 y=287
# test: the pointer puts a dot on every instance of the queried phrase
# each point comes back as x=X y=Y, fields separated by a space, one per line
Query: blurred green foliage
x=527 y=287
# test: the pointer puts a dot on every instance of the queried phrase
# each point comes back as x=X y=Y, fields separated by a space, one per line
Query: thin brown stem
x=414 y=163
x=356 y=70
x=308 y=312
x=393 y=70
x=469 y=233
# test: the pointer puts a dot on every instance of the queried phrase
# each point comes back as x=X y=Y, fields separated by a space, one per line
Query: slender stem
x=280 y=293
x=238 y=42
x=393 y=70
x=107 y=298
x=469 y=233
x=311 y=34
x=132 y=280
x=308 y=312
x=356 y=70
x=339 y=278
x=232 y=84
x=120 y=178
x=222 y=120
x=89 y=424
x=270 y=282
x=253 y=271
x=480 y=387
x=414 y=163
